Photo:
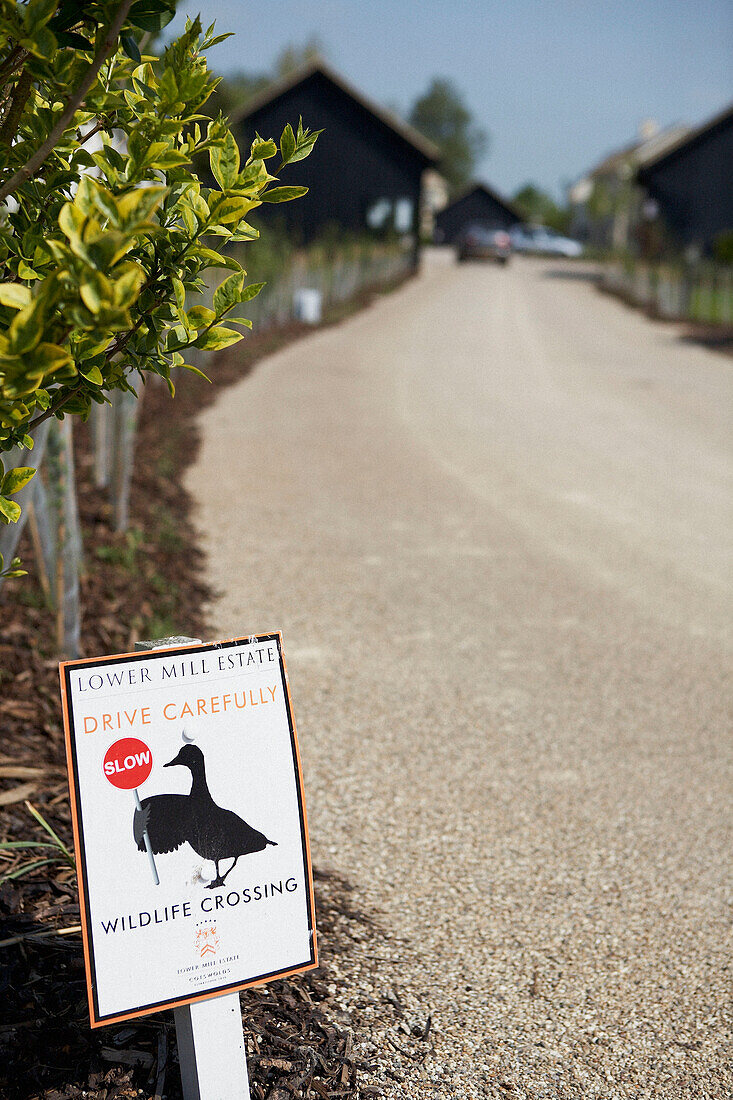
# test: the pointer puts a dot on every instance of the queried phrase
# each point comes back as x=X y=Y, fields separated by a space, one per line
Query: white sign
x=189 y=822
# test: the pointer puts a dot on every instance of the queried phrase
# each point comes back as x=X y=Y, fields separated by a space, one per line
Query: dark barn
x=692 y=184
x=477 y=206
x=365 y=173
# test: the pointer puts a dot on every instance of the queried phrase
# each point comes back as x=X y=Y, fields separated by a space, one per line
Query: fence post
x=101 y=425
x=63 y=506
x=43 y=526
x=125 y=414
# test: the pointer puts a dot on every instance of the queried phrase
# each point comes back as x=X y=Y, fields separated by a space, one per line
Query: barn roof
x=402 y=130
x=490 y=194
x=641 y=151
x=686 y=143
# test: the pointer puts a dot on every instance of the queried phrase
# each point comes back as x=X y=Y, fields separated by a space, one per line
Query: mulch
x=145 y=583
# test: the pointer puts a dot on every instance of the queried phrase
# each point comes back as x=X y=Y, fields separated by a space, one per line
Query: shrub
x=106 y=229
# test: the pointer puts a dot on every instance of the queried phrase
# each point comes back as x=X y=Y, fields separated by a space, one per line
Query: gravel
x=490 y=514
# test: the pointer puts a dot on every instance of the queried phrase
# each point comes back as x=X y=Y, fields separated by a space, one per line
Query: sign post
x=212 y=1054
x=223 y=831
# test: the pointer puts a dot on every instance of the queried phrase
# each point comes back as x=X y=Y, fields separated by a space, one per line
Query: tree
x=442 y=116
x=235 y=89
x=295 y=57
x=537 y=206
x=101 y=247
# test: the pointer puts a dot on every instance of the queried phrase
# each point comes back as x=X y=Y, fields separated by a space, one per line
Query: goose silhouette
x=174 y=819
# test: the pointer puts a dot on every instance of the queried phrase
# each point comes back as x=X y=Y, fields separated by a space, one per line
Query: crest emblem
x=207 y=940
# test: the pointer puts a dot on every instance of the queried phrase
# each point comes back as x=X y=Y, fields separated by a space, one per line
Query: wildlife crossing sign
x=189 y=823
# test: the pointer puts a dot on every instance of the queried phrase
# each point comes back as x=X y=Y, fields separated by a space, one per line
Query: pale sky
x=557 y=83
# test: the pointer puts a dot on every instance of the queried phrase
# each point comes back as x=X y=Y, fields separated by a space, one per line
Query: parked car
x=484 y=242
x=538 y=240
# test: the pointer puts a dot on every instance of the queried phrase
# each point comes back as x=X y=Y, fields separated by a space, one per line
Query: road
x=491 y=514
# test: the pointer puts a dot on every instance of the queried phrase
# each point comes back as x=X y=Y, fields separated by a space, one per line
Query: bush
x=106 y=228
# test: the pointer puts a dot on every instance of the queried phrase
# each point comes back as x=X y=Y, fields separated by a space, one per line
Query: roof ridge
x=318 y=65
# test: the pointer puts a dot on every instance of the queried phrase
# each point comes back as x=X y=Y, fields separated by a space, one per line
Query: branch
x=73 y=103
x=18 y=102
x=13 y=61
x=99 y=126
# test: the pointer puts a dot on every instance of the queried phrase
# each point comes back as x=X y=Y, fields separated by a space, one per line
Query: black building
x=692 y=184
x=365 y=171
x=477 y=206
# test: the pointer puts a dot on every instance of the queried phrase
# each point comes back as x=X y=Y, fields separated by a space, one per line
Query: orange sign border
x=179 y=1002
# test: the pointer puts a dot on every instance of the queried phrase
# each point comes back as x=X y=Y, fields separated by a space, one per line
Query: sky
x=556 y=83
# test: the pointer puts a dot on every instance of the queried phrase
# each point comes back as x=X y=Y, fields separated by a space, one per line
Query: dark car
x=484 y=242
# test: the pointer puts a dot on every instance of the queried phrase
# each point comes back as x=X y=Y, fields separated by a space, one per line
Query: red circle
x=127 y=763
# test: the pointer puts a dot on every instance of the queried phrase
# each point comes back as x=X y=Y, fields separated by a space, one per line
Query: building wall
x=475 y=208
x=358 y=165
x=694 y=190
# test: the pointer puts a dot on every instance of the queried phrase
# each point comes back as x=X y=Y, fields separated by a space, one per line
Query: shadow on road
x=580 y=275
x=715 y=337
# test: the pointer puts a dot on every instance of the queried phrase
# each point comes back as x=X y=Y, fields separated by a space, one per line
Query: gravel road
x=492 y=516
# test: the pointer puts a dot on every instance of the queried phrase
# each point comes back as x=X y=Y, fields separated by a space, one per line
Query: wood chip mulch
x=146 y=583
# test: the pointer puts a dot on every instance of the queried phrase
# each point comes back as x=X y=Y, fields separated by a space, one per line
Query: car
x=538 y=240
x=484 y=242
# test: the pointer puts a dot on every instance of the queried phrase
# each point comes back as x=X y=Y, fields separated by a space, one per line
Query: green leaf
x=172 y=158
x=177 y=338
x=15 y=295
x=287 y=143
x=199 y=317
x=25 y=330
x=96 y=292
x=305 y=143
x=71 y=221
x=224 y=161
x=179 y=291
x=228 y=293
x=151 y=15
x=76 y=41
x=127 y=286
x=9 y=509
x=92 y=374
x=43 y=43
x=195 y=370
x=231 y=208
x=15 y=479
x=25 y=271
x=48 y=358
x=104 y=201
x=215 y=259
x=131 y=48
x=38 y=13
x=283 y=194
x=251 y=291
x=263 y=149
x=188 y=219
x=139 y=204
x=217 y=338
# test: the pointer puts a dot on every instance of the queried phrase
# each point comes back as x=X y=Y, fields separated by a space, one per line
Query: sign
x=189 y=824
x=128 y=763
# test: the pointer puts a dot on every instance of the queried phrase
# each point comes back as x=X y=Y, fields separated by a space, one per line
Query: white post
x=211 y=1050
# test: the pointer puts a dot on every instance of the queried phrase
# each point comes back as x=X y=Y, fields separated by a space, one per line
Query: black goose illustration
x=212 y=832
